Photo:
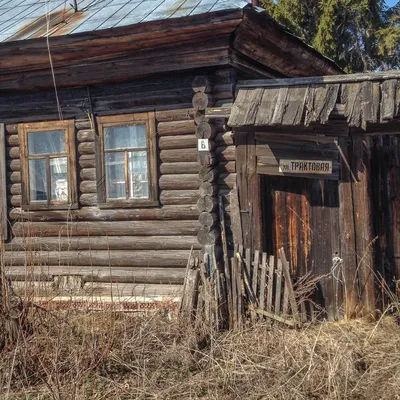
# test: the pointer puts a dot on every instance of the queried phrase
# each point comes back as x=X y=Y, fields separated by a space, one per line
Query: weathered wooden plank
x=152 y=258
x=77 y=243
x=179 y=182
x=97 y=273
x=270 y=294
x=179 y=197
x=280 y=107
x=278 y=288
x=95 y=214
x=294 y=109
x=351 y=98
x=388 y=101
x=115 y=228
x=179 y=168
x=177 y=142
x=177 y=155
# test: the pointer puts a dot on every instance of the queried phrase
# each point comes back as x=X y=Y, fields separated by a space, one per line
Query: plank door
x=302 y=216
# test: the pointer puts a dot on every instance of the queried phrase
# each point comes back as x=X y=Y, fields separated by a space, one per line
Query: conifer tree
x=360 y=35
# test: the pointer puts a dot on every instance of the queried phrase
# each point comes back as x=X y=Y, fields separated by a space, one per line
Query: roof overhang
x=362 y=100
x=248 y=39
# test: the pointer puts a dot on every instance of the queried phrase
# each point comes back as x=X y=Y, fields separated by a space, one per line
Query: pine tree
x=360 y=35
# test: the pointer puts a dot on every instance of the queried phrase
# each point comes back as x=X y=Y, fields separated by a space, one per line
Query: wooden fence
x=251 y=286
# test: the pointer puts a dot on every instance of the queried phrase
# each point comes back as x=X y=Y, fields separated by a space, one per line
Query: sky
x=391 y=3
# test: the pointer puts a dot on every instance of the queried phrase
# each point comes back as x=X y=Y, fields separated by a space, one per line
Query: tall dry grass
x=71 y=354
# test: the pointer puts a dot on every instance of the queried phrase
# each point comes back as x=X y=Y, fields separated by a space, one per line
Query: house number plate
x=203 y=145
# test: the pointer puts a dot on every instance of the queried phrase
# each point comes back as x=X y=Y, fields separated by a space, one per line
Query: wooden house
x=105 y=187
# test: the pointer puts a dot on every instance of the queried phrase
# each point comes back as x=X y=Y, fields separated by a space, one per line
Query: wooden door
x=302 y=216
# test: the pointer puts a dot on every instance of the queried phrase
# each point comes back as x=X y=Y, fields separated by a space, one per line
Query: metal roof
x=26 y=19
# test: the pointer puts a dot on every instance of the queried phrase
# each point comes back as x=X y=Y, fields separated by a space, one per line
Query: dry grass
x=110 y=355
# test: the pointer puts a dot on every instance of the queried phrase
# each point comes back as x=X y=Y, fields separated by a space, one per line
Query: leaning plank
x=254 y=281
x=275 y=317
x=262 y=280
x=288 y=282
x=271 y=268
x=278 y=288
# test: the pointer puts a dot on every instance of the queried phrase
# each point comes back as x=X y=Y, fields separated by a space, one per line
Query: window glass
x=59 y=179
x=138 y=175
x=115 y=175
x=48 y=142
x=124 y=137
x=38 y=180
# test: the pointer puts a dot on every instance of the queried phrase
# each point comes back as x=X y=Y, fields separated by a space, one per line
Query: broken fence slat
x=278 y=289
x=286 y=273
x=270 y=293
x=275 y=317
x=262 y=280
x=254 y=283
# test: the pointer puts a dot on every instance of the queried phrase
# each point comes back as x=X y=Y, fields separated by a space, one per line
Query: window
x=48 y=165
x=128 y=161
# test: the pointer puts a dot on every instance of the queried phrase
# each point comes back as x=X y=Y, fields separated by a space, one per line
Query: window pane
x=124 y=137
x=138 y=176
x=115 y=175
x=37 y=180
x=59 y=179
x=48 y=142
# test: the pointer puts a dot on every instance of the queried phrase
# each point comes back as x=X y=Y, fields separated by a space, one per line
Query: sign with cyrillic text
x=305 y=167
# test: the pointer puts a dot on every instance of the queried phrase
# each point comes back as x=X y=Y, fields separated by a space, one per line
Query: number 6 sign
x=203 y=145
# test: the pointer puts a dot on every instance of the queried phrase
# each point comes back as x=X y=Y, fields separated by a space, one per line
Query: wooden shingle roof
x=365 y=98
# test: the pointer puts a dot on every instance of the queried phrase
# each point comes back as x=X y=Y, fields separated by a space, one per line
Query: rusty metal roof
x=26 y=19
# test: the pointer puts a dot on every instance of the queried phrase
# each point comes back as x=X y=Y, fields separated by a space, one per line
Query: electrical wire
x=59 y=109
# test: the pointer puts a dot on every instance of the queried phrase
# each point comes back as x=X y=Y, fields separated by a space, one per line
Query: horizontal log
x=225 y=138
x=200 y=101
x=14 y=177
x=113 y=258
x=179 y=168
x=86 y=148
x=223 y=91
x=95 y=214
x=178 y=197
x=208 y=236
x=98 y=274
x=189 y=155
x=88 y=199
x=12 y=128
x=226 y=153
x=83 y=124
x=204 y=130
x=208 y=189
x=14 y=165
x=208 y=174
x=175 y=115
x=88 y=174
x=15 y=200
x=14 y=189
x=13 y=152
x=173 y=128
x=98 y=292
x=208 y=219
x=87 y=161
x=88 y=187
x=179 y=182
x=115 y=228
x=77 y=243
x=85 y=135
x=207 y=204
x=178 y=142
x=12 y=140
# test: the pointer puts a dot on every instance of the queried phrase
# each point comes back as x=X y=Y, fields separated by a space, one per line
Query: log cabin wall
x=142 y=251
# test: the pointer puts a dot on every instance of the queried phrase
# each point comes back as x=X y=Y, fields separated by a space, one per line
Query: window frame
x=147 y=119
x=70 y=153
